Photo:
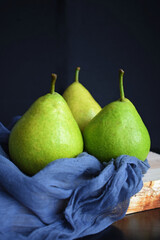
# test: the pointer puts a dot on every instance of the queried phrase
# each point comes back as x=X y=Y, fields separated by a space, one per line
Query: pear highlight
x=46 y=132
x=83 y=106
x=117 y=130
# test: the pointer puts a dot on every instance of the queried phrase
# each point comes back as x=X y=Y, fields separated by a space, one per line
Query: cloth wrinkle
x=68 y=199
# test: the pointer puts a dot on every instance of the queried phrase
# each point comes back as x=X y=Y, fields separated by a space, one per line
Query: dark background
x=101 y=36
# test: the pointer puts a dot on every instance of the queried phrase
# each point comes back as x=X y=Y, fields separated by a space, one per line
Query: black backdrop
x=100 y=36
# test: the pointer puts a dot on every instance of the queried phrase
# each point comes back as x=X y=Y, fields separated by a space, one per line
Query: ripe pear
x=47 y=131
x=82 y=104
x=118 y=129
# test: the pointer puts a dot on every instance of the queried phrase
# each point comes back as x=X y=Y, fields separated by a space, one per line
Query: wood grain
x=149 y=196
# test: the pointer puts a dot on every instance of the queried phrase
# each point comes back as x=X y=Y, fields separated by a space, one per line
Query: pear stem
x=121 y=73
x=53 y=82
x=77 y=74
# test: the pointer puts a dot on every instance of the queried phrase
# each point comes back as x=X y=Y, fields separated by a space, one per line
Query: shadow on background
x=41 y=37
x=110 y=233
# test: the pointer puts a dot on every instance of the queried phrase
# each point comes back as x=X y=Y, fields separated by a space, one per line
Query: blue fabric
x=68 y=199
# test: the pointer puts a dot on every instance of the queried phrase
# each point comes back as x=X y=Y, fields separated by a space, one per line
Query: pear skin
x=117 y=130
x=83 y=106
x=46 y=132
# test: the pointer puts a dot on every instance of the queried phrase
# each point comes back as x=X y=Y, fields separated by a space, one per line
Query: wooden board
x=149 y=196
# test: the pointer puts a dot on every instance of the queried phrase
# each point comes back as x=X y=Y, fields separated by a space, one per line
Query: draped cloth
x=68 y=199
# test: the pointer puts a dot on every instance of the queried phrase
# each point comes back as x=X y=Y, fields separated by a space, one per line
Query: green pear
x=118 y=129
x=47 y=131
x=82 y=104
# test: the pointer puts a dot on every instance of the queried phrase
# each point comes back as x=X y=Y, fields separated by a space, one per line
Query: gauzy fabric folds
x=68 y=199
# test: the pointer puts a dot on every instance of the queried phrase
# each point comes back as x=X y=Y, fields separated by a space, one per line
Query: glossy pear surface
x=118 y=129
x=83 y=106
x=46 y=132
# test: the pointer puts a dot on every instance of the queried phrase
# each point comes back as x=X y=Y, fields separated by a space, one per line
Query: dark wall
x=100 y=36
